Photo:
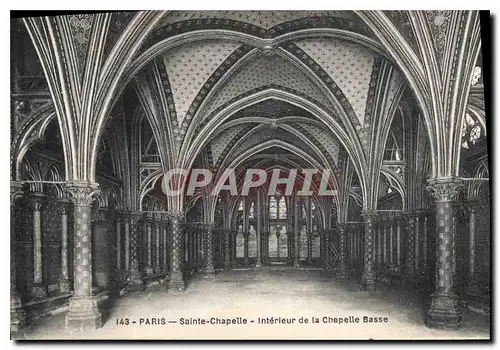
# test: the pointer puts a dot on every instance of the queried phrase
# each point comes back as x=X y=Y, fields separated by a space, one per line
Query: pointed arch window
x=273 y=208
x=251 y=211
x=471 y=131
x=282 y=208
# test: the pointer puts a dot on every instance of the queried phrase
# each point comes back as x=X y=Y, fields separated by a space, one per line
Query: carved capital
x=369 y=215
x=445 y=189
x=16 y=191
x=36 y=200
x=82 y=193
x=175 y=215
x=209 y=226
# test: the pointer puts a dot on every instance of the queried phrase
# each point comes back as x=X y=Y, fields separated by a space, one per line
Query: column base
x=176 y=285
x=83 y=315
x=342 y=274
x=246 y=263
x=296 y=264
x=209 y=273
x=444 y=312
x=38 y=291
x=368 y=281
x=157 y=270
x=136 y=284
x=149 y=271
x=227 y=265
x=258 y=264
x=64 y=286
x=473 y=287
x=17 y=313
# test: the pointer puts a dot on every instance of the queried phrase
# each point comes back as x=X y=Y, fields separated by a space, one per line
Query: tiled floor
x=275 y=292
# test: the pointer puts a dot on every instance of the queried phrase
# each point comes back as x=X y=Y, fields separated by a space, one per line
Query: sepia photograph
x=250 y=175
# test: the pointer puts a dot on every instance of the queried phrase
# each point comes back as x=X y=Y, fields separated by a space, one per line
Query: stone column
x=309 y=247
x=326 y=255
x=208 y=269
x=126 y=225
x=444 y=311
x=38 y=289
x=176 y=280
x=379 y=247
x=368 y=276
x=148 y=222
x=157 y=244
x=119 y=224
x=246 y=260
x=342 y=275
x=399 y=222
x=410 y=249
x=233 y=247
x=417 y=245
x=166 y=263
x=472 y=204
x=17 y=313
x=83 y=310
x=64 y=283
x=384 y=247
x=136 y=283
x=227 y=251
x=391 y=243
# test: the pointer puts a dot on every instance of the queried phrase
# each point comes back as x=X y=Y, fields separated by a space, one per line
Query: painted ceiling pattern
x=262 y=19
x=190 y=66
x=272 y=108
x=326 y=138
x=349 y=65
x=266 y=70
x=220 y=141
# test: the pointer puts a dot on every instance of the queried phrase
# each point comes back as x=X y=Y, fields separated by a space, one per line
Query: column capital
x=82 y=193
x=36 y=200
x=209 y=226
x=175 y=215
x=445 y=189
x=16 y=191
x=471 y=203
x=369 y=215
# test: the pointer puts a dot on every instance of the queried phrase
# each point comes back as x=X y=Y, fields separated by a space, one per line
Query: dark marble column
x=410 y=249
x=391 y=243
x=309 y=247
x=38 y=289
x=83 y=311
x=119 y=225
x=399 y=223
x=368 y=276
x=136 y=283
x=17 y=313
x=326 y=250
x=157 y=227
x=64 y=283
x=227 y=250
x=148 y=223
x=472 y=205
x=246 y=260
x=164 y=228
x=233 y=248
x=444 y=311
x=126 y=224
x=176 y=280
x=208 y=269
x=342 y=273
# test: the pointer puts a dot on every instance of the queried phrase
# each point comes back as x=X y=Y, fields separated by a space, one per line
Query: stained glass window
x=471 y=131
x=282 y=208
x=250 y=214
x=477 y=75
x=273 y=208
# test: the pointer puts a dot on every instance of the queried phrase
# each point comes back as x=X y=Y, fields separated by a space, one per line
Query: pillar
x=368 y=276
x=148 y=223
x=416 y=240
x=410 y=249
x=64 y=283
x=227 y=250
x=83 y=311
x=126 y=249
x=157 y=228
x=309 y=247
x=17 y=313
x=444 y=311
x=38 y=289
x=326 y=255
x=391 y=243
x=472 y=204
x=176 y=280
x=119 y=224
x=208 y=270
x=399 y=223
x=246 y=260
x=342 y=274
x=136 y=283
x=384 y=246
